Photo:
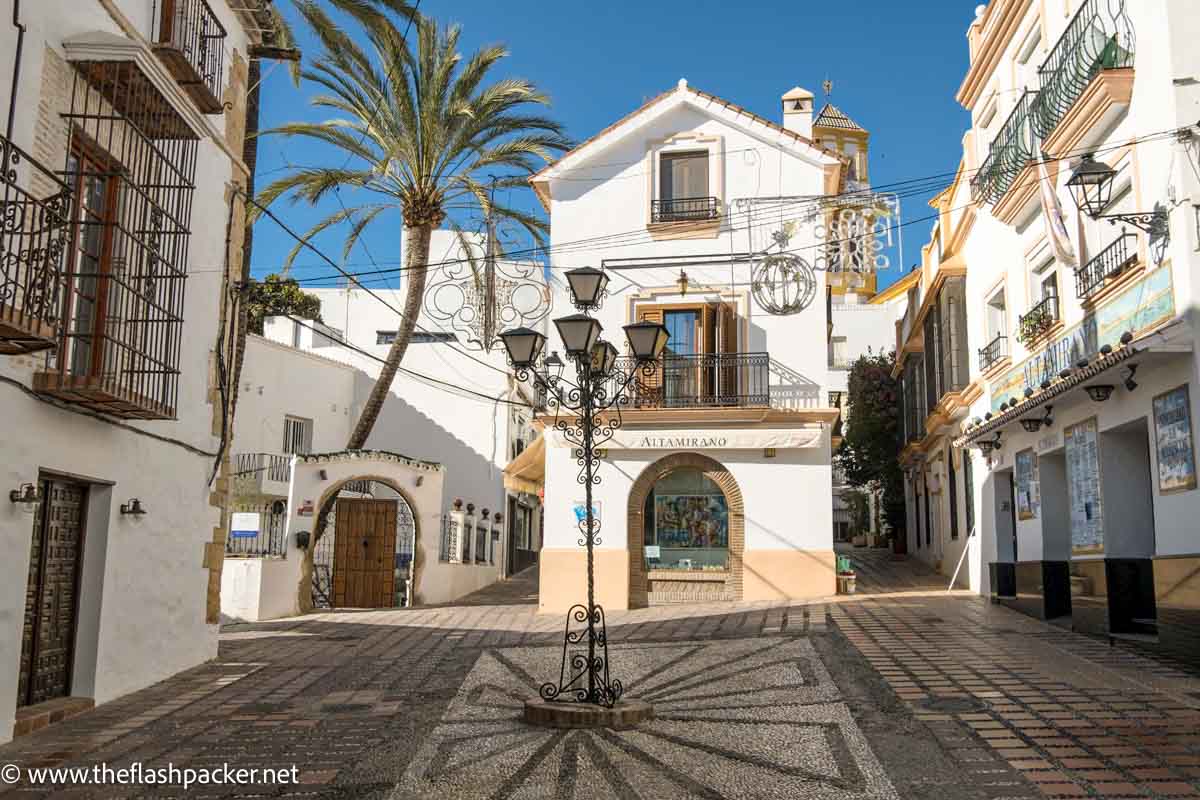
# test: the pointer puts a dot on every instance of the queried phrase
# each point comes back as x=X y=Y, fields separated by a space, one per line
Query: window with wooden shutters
x=649 y=385
x=297 y=435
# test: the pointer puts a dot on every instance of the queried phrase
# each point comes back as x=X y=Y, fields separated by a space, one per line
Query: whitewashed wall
x=143 y=584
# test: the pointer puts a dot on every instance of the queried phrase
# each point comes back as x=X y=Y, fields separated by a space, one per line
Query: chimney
x=798 y=111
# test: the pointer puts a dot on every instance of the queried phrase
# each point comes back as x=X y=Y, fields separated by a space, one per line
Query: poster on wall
x=691 y=520
x=1028 y=489
x=1083 y=487
x=580 y=510
x=1173 y=438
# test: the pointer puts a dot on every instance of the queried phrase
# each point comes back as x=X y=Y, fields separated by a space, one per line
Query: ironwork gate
x=51 y=594
x=326 y=552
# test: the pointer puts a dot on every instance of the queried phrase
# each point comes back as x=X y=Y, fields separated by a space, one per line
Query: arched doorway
x=688 y=510
x=365 y=557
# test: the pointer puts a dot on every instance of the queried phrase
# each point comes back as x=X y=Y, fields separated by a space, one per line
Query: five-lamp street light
x=592 y=413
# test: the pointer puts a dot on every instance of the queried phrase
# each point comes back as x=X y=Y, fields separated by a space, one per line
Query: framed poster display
x=1173 y=441
x=1083 y=487
x=1028 y=489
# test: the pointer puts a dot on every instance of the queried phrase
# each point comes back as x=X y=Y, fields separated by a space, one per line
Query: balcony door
x=699 y=366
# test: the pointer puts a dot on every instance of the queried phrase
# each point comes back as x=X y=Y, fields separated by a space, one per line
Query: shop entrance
x=52 y=593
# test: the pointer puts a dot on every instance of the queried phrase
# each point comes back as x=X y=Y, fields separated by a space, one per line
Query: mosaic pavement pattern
x=740 y=718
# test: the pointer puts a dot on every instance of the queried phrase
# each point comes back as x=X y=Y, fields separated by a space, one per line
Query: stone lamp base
x=625 y=714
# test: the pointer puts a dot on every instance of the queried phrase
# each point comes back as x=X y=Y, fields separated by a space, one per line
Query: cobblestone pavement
x=904 y=691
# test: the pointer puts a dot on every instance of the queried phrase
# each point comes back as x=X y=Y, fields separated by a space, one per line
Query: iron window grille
x=685 y=209
x=270 y=540
x=254 y=468
x=952 y=480
x=297 y=435
x=131 y=166
x=480 y=544
x=1039 y=319
x=33 y=237
x=991 y=353
x=190 y=40
x=448 y=540
x=1099 y=37
x=1014 y=147
x=1108 y=263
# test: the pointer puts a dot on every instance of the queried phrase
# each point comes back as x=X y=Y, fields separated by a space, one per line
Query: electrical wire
x=411 y=373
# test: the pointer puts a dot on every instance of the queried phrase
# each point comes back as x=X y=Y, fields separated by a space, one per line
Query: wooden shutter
x=648 y=389
x=727 y=345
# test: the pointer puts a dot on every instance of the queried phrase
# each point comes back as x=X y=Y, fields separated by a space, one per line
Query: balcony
x=1098 y=41
x=1035 y=323
x=1109 y=263
x=33 y=237
x=713 y=380
x=261 y=474
x=685 y=209
x=191 y=42
x=1014 y=148
x=993 y=352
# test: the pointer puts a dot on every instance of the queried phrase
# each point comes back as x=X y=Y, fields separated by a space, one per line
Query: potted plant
x=846 y=579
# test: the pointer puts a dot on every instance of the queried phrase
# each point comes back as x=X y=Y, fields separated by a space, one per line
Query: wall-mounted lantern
x=302 y=539
x=1091 y=188
x=26 y=496
x=133 y=508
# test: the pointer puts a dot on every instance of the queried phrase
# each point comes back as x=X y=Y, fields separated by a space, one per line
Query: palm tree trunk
x=415 y=262
x=416 y=259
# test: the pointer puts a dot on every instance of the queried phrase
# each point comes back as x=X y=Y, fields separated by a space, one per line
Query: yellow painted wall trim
x=1000 y=25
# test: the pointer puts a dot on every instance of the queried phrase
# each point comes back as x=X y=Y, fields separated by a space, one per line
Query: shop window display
x=687 y=523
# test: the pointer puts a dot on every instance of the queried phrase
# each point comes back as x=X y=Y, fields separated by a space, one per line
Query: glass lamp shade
x=579 y=333
x=1091 y=186
x=524 y=345
x=646 y=339
x=604 y=357
x=587 y=286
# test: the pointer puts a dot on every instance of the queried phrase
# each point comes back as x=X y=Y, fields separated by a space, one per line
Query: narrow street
x=902 y=692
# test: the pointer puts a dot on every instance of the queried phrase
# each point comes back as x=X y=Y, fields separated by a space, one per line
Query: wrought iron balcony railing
x=1014 y=147
x=713 y=380
x=685 y=209
x=35 y=208
x=255 y=472
x=1109 y=262
x=1099 y=37
x=190 y=40
x=991 y=353
x=1037 y=320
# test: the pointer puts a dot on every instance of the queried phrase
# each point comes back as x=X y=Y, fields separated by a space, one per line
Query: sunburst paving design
x=740 y=718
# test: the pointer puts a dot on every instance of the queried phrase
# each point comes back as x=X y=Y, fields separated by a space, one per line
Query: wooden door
x=364 y=555
x=52 y=593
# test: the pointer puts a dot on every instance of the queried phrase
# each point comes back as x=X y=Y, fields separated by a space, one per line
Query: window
x=297 y=435
x=686 y=523
x=1028 y=60
x=683 y=175
x=839 y=355
x=953 y=484
x=969 y=490
x=418 y=337
x=997 y=315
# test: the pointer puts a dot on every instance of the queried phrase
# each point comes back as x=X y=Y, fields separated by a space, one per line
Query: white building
x=859 y=325
x=717 y=484
x=1062 y=435
x=120 y=166
x=452 y=403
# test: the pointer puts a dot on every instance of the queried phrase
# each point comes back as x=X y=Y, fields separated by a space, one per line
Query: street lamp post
x=592 y=403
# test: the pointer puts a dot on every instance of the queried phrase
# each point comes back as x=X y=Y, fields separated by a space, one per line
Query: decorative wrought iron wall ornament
x=480 y=296
x=783 y=284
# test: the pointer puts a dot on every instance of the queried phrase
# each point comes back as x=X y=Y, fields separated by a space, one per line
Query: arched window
x=687 y=523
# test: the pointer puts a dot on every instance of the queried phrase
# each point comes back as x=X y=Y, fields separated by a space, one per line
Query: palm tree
x=425 y=130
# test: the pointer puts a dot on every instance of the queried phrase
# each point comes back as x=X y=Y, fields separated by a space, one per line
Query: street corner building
x=123 y=163
x=716 y=482
x=1049 y=443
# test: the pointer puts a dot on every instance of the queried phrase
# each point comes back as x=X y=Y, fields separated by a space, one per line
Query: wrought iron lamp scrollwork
x=587 y=412
x=1091 y=186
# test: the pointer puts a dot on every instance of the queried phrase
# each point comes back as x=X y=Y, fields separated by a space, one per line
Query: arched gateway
x=687 y=532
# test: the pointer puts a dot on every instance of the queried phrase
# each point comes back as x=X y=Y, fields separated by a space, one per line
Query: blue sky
x=894 y=66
